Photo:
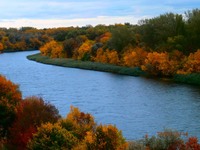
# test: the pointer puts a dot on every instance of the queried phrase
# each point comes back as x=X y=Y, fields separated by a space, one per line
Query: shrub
x=52 y=137
x=167 y=140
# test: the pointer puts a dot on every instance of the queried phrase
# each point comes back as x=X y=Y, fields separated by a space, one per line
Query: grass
x=88 y=65
x=193 y=79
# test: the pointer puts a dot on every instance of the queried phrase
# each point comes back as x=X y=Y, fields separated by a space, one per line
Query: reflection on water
x=135 y=105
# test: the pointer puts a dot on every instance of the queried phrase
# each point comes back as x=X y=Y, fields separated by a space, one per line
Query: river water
x=136 y=105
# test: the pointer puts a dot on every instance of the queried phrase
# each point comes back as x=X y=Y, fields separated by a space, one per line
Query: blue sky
x=62 y=13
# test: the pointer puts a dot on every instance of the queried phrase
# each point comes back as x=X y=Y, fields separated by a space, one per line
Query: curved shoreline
x=193 y=79
x=87 y=65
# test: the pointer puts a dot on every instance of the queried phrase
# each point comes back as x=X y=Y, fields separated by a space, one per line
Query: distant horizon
x=42 y=14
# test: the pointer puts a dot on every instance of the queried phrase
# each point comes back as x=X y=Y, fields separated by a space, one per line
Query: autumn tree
x=52 y=49
x=31 y=113
x=160 y=64
x=83 y=52
x=107 y=56
x=134 y=57
x=192 y=64
x=10 y=97
x=78 y=123
x=53 y=137
x=105 y=137
x=1 y=47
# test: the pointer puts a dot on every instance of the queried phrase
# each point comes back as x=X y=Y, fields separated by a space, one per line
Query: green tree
x=193 y=29
x=122 y=36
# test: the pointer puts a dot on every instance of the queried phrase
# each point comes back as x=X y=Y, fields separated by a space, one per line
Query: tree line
x=163 y=46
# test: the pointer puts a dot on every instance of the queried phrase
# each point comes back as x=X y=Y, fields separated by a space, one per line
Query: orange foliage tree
x=192 y=64
x=1 y=47
x=108 y=56
x=105 y=37
x=160 y=64
x=10 y=97
x=31 y=113
x=134 y=57
x=52 y=49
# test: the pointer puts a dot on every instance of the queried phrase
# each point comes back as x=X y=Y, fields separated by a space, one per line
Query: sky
x=65 y=13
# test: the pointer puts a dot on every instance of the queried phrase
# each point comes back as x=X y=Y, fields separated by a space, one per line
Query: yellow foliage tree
x=52 y=49
x=159 y=64
x=134 y=57
x=83 y=50
x=79 y=123
x=106 y=137
x=192 y=64
x=107 y=56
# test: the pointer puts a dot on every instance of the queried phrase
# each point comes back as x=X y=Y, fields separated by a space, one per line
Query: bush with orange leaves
x=160 y=64
x=108 y=56
x=192 y=144
x=192 y=64
x=1 y=47
x=52 y=49
x=134 y=57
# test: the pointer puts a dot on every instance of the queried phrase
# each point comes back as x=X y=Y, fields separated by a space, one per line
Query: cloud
x=51 y=23
x=24 y=11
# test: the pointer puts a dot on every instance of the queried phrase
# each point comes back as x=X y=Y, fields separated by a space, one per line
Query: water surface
x=135 y=105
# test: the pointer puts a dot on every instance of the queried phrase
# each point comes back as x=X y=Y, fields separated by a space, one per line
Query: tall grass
x=67 y=62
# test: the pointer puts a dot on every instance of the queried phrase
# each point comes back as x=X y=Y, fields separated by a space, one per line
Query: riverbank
x=193 y=79
x=88 y=65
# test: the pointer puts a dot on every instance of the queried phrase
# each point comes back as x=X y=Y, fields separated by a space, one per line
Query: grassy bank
x=189 y=79
x=88 y=65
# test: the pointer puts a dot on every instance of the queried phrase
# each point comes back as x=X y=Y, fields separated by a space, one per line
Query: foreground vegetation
x=34 y=124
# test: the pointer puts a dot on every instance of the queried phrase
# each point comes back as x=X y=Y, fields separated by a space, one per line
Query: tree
x=122 y=36
x=105 y=137
x=52 y=49
x=1 y=47
x=78 y=123
x=193 y=30
x=52 y=137
x=10 y=97
x=156 y=31
x=31 y=113
x=160 y=64
x=108 y=56
x=83 y=52
x=134 y=57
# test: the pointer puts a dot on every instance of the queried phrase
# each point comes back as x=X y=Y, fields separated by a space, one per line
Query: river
x=136 y=105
